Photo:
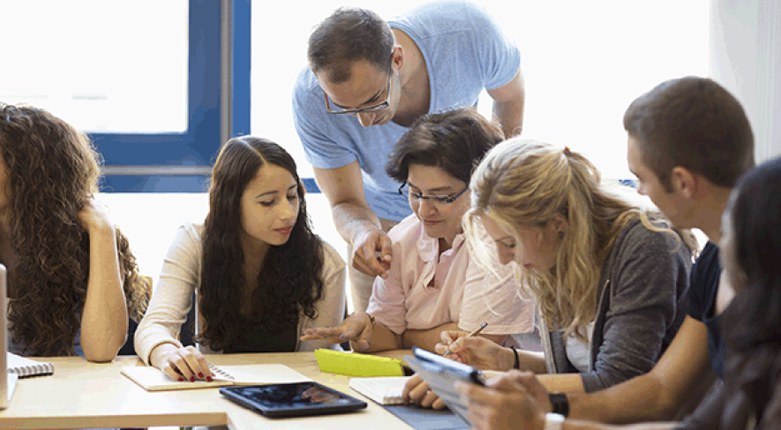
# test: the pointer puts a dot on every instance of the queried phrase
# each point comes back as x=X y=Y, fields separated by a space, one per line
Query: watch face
x=554 y=421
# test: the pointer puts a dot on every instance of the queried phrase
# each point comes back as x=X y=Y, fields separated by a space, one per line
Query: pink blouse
x=461 y=290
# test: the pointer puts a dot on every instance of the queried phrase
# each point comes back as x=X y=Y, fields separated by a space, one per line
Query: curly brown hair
x=51 y=171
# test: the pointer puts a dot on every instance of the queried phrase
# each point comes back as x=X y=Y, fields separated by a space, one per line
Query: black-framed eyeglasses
x=334 y=109
x=440 y=200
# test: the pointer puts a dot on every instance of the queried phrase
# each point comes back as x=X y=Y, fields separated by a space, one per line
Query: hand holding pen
x=472 y=333
x=468 y=348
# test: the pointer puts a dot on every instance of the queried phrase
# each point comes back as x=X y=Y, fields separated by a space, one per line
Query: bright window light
x=583 y=61
x=108 y=66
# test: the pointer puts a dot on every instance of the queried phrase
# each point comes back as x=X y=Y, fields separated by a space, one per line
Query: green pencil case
x=356 y=364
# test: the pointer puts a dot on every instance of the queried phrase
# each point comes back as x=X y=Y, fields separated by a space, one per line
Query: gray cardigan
x=640 y=308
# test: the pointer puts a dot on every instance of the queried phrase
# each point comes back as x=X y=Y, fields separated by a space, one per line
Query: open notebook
x=383 y=390
x=152 y=379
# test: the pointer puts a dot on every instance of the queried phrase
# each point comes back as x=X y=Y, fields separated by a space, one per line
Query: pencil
x=474 y=332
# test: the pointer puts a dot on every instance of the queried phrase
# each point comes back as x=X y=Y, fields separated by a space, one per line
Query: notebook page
x=258 y=374
x=383 y=390
x=152 y=379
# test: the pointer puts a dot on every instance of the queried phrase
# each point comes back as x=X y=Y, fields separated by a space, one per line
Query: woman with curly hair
x=73 y=281
x=254 y=271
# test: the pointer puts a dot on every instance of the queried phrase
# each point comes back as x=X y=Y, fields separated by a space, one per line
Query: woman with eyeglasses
x=433 y=283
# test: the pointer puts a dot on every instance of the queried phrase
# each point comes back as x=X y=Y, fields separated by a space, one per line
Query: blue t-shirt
x=701 y=303
x=465 y=52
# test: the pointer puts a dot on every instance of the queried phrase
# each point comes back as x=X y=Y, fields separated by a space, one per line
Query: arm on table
x=518 y=400
x=363 y=335
x=676 y=384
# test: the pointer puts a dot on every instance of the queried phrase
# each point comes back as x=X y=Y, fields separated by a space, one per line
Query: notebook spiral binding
x=33 y=370
x=223 y=374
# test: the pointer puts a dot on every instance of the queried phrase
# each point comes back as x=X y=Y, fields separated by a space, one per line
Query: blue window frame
x=219 y=45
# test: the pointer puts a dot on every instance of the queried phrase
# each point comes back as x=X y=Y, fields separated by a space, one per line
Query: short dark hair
x=695 y=123
x=348 y=35
x=454 y=141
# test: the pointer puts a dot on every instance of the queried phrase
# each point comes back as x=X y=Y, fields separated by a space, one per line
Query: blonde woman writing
x=609 y=277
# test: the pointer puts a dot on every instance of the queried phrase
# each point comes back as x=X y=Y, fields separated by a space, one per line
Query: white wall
x=150 y=221
x=746 y=58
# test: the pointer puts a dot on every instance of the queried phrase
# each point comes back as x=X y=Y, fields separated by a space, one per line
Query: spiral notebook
x=152 y=379
x=385 y=390
x=25 y=368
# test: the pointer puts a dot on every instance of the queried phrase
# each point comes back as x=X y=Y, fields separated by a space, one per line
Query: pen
x=474 y=332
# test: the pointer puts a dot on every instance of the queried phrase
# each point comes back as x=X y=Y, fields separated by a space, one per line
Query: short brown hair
x=695 y=123
x=349 y=34
x=454 y=141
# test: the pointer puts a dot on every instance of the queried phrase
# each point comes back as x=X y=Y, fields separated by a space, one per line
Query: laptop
x=7 y=380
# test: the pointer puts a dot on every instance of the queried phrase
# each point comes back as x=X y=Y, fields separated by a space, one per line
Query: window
x=141 y=77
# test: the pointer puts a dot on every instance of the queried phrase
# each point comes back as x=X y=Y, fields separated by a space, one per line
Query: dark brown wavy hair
x=290 y=279
x=750 y=324
x=52 y=171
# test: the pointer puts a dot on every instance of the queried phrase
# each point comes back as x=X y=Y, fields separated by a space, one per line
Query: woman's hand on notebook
x=357 y=328
x=181 y=364
x=475 y=351
x=417 y=391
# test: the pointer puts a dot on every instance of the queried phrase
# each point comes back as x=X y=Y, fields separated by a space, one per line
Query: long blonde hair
x=525 y=183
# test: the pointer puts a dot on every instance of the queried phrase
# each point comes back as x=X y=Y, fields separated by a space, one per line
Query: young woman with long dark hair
x=257 y=273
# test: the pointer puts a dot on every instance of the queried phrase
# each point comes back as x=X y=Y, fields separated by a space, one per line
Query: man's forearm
x=510 y=117
x=639 y=399
x=351 y=219
x=587 y=425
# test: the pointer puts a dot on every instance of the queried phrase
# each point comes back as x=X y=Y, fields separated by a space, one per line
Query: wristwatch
x=559 y=403
x=554 y=421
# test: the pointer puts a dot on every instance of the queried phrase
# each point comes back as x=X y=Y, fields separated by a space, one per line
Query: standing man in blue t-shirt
x=368 y=80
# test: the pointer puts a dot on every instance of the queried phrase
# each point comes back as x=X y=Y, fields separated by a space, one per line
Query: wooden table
x=82 y=394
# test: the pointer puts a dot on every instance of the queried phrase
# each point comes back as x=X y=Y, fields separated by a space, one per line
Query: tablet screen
x=296 y=399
